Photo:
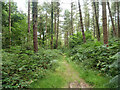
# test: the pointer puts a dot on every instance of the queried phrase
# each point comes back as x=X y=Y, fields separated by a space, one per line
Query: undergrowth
x=96 y=56
x=92 y=77
x=22 y=67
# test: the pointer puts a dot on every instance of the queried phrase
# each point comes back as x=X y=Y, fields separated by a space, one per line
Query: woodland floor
x=65 y=76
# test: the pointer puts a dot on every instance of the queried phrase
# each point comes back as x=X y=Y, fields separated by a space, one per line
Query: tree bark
x=67 y=38
x=34 y=11
x=51 y=25
x=71 y=18
x=46 y=24
x=111 y=19
x=118 y=19
x=43 y=36
x=108 y=26
x=97 y=24
x=10 y=22
x=94 y=25
x=40 y=18
x=115 y=16
x=105 y=35
x=28 y=20
x=65 y=35
x=93 y=19
x=57 y=26
x=46 y=31
x=97 y=10
x=84 y=39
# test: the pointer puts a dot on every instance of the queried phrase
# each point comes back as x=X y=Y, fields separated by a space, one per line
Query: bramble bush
x=21 y=67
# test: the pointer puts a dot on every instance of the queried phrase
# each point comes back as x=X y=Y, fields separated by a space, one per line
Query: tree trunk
x=34 y=11
x=105 y=35
x=97 y=24
x=94 y=25
x=10 y=22
x=40 y=29
x=51 y=25
x=67 y=38
x=111 y=19
x=78 y=27
x=43 y=36
x=93 y=19
x=57 y=26
x=97 y=10
x=71 y=18
x=108 y=26
x=46 y=31
x=28 y=21
x=84 y=39
x=46 y=23
x=40 y=36
x=118 y=20
x=115 y=16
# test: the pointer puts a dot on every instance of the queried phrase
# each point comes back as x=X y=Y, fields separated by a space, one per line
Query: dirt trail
x=74 y=80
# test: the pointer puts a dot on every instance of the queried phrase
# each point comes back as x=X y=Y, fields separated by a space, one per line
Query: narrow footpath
x=72 y=76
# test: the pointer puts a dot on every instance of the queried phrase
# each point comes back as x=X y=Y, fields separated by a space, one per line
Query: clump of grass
x=53 y=80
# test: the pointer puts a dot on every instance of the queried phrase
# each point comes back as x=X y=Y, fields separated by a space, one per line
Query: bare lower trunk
x=34 y=10
x=10 y=21
x=108 y=27
x=105 y=35
x=52 y=26
x=57 y=28
x=97 y=24
x=55 y=25
x=93 y=18
x=111 y=19
x=93 y=26
x=118 y=19
x=67 y=38
x=40 y=37
x=28 y=21
x=46 y=30
x=84 y=39
x=71 y=18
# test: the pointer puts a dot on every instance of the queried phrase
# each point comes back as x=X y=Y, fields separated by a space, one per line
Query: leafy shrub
x=77 y=39
x=113 y=83
x=22 y=67
x=97 y=56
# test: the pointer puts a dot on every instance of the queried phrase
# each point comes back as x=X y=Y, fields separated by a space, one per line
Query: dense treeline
x=46 y=21
x=29 y=40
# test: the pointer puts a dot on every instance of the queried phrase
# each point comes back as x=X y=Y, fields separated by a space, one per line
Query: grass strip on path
x=94 y=78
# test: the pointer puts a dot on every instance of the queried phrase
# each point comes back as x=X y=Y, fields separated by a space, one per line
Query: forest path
x=64 y=76
x=71 y=76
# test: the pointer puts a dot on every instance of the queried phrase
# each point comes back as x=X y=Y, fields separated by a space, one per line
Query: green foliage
x=94 y=78
x=97 y=56
x=115 y=66
x=18 y=25
x=52 y=80
x=77 y=39
x=21 y=67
